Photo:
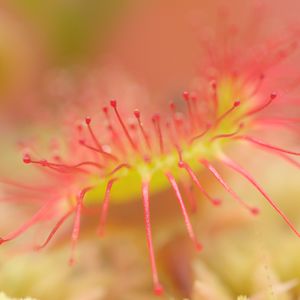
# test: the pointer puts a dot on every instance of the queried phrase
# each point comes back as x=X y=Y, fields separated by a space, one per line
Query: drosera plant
x=126 y=157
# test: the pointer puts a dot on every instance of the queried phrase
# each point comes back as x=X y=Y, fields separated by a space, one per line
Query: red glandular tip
x=236 y=103
x=137 y=113
x=113 y=103
x=273 y=96
x=105 y=109
x=213 y=84
x=156 y=117
x=172 y=106
x=186 y=95
x=158 y=290
x=88 y=120
x=27 y=159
